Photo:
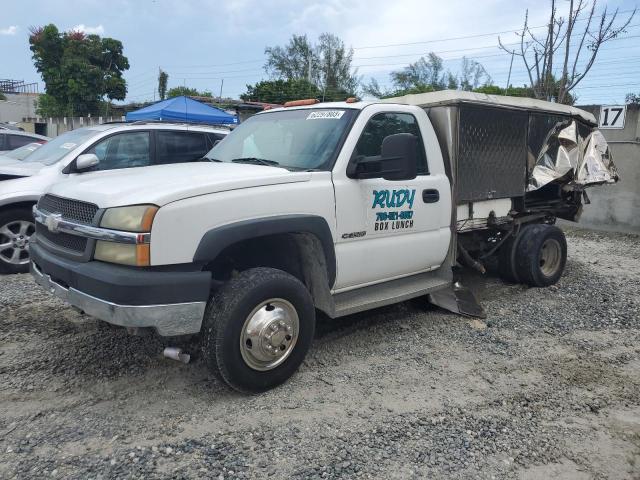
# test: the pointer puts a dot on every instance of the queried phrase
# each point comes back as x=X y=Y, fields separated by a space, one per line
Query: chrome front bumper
x=168 y=320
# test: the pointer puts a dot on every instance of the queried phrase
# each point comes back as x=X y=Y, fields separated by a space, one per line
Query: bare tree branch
x=605 y=33
x=552 y=62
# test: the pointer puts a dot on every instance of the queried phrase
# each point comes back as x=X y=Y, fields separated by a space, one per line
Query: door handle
x=431 y=195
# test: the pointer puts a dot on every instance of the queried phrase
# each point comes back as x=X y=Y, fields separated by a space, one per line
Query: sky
x=200 y=43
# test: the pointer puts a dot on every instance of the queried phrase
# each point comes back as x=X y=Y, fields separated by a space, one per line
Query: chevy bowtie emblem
x=52 y=222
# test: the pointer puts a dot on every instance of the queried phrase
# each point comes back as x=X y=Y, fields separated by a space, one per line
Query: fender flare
x=216 y=240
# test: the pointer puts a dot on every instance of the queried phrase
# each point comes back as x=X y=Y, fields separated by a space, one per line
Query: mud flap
x=458 y=299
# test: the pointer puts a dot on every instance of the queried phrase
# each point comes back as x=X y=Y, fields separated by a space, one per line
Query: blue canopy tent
x=183 y=109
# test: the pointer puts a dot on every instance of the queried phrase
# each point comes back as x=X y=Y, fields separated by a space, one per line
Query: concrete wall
x=18 y=106
x=52 y=127
x=617 y=207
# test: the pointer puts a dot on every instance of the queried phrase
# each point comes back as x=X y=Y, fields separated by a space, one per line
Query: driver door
x=390 y=229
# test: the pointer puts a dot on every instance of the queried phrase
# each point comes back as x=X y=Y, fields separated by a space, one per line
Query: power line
x=477 y=35
x=216 y=65
x=205 y=75
x=464 y=50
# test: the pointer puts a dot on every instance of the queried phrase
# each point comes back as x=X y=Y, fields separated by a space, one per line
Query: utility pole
x=221 y=85
x=510 y=67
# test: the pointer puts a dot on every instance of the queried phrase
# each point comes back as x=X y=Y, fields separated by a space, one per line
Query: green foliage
x=78 y=70
x=187 y=92
x=428 y=75
x=373 y=89
x=292 y=61
x=511 y=91
x=2 y=97
x=473 y=75
x=523 y=91
x=48 y=106
x=633 y=98
x=163 y=78
x=421 y=73
x=326 y=65
x=280 y=91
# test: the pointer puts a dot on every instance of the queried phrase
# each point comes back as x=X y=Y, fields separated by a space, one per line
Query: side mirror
x=86 y=161
x=397 y=160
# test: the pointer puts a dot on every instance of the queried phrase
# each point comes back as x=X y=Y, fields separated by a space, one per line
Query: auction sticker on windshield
x=326 y=114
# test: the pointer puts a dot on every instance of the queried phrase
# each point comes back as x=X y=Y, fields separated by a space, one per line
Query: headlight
x=123 y=253
x=137 y=218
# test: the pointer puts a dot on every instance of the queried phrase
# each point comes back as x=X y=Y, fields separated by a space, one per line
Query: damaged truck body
x=335 y=207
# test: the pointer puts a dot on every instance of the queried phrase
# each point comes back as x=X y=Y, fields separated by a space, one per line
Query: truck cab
x=333 y=207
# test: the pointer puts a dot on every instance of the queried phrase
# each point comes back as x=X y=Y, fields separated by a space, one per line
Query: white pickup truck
x=336 y=207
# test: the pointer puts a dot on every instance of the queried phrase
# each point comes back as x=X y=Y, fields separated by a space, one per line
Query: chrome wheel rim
x=550 y=257
x=269 y=334
x=14 y=241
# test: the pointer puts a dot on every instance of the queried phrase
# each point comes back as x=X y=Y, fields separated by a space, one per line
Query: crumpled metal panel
x=563 y=149
x=597 y=162
x=491 y=153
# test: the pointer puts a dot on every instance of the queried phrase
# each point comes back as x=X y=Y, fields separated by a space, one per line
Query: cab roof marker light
x=300 y=103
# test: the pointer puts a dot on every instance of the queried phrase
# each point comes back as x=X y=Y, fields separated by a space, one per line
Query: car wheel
x=16 y=228
x=258 y=328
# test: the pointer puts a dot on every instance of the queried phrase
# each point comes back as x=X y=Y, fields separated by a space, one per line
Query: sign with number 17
x=612 y=116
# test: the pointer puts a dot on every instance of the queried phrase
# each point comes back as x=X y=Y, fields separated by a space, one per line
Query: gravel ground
x=548 y=386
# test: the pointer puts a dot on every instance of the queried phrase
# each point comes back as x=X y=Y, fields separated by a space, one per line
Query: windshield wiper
x=256 y=161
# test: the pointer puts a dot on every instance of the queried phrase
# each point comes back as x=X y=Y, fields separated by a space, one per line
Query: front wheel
x=258 y=328
x=16 y=229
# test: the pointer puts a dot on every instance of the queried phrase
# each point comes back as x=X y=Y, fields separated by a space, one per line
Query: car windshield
x=22 y=152
x=303 y=139
x=57 y=148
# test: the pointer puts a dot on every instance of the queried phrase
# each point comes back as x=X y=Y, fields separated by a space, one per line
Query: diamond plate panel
x=492 y=153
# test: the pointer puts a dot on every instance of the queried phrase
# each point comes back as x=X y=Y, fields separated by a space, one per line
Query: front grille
x=73 y=210
x=61 y=239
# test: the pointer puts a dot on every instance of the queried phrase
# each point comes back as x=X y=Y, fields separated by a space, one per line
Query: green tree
x=633 y=98
x=48 y=106
x=511 y=91
x=188 y=92
x=327 y=65
x=280 y=91
x=294 y=61
x=428 y=75
x=424 y=72
x=163 y=78
x=2 y=97
x=473 y=75
x=79 y=71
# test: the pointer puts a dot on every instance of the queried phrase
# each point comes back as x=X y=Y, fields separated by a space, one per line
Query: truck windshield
x=304 y=139
x=53 y=151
